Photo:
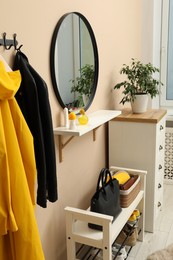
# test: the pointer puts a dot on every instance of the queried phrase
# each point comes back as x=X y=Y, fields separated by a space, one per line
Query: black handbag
x=106 y=199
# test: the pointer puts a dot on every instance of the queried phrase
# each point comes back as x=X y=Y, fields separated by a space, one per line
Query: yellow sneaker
x=137 y=213
x=132 y=218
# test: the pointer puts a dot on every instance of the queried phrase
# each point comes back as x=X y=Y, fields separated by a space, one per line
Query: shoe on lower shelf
x=134 y=217
x=122 y=253
x=137 y=213
x=128 y=228
x=119 y=257
x=128 y=241
x=132 y=220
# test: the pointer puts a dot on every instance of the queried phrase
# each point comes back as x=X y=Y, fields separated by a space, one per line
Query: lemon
x=72 y=116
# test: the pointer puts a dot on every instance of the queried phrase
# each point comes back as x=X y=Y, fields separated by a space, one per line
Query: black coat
x=33 y=100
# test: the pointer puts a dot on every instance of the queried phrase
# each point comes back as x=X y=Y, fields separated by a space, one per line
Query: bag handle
x=104 y=173
x=100 y=178
x=105 y=177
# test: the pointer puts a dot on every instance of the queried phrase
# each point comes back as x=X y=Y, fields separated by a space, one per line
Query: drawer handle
x=161 y=127
x=159 y=186
x=160 y=147
x=160 y=167
x=159 y=204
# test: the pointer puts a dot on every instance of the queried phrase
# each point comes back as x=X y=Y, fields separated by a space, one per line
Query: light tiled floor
x=163 y=236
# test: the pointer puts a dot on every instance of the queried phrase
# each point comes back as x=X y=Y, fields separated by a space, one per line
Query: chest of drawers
x=137 y=141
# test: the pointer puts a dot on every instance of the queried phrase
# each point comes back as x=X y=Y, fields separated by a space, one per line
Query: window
x=167 y=54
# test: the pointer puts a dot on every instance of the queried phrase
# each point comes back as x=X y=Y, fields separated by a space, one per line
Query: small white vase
x=72 y=124
x=85 y=99
x=140 y=103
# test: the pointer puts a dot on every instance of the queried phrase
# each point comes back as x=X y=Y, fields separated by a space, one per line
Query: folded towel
x=121 y=176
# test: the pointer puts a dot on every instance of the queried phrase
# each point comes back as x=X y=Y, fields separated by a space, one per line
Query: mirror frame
x=52 y=58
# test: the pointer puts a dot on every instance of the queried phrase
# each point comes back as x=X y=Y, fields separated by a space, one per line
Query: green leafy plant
x=140 y=80
x=84 y=83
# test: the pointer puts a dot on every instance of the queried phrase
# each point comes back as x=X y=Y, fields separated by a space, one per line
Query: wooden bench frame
x=77 y=230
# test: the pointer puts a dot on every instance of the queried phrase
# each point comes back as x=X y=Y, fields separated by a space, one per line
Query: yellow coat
x=19 y=237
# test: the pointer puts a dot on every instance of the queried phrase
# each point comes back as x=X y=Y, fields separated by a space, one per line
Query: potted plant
x=83 y=84
x=139 y=84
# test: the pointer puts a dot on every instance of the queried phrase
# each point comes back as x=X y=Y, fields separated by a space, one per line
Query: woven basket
x=127 y=196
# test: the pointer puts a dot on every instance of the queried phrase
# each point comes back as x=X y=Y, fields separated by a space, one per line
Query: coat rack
x=8 y=43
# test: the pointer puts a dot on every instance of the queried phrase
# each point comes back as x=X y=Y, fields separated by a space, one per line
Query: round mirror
x=74 y=62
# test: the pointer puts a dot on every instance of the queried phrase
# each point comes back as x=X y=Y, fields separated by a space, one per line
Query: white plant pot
x=85 y=99
x=140 y=104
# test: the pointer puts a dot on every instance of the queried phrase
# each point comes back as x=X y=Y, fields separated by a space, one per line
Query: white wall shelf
x=96 y=119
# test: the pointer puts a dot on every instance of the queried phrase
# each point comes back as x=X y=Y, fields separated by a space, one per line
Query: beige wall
x=117 y=28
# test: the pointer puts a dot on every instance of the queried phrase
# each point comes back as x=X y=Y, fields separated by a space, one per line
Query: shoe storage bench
x=77 y=230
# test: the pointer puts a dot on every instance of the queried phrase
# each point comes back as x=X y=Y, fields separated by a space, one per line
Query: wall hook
x=6 y=42
x=15 y=43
